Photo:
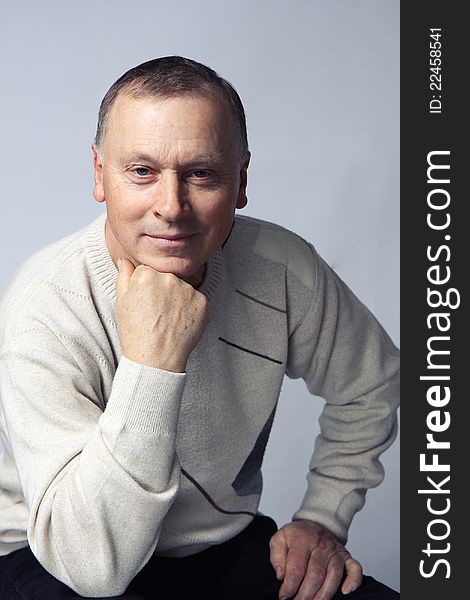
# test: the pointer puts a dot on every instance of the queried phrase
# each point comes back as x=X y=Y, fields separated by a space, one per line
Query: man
x=141 y=364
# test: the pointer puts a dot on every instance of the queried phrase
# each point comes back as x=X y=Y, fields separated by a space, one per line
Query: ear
x=242 y=199
x=98 y=189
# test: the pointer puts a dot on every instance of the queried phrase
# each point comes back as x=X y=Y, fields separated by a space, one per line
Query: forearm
x=98 y=487
x=345 y=357
x=345 y=463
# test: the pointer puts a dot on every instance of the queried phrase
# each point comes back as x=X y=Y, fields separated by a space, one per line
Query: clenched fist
x=160 y=318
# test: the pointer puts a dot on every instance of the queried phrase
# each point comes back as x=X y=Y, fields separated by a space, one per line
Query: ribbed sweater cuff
x=145 y=399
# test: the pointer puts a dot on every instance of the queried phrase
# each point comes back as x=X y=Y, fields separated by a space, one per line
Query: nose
x=169 y=202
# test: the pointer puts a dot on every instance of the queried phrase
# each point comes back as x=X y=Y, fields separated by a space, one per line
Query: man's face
x=171 y=175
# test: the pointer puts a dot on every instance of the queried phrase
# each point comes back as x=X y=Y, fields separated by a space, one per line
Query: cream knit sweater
x=105 y=461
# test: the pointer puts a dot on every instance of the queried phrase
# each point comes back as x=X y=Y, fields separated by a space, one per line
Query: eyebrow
x=202 y=160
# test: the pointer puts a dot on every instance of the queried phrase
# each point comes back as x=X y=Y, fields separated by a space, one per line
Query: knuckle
x=274 y=544
x=336 y=566
x=142 y=273
x=357 y=566
x=295 y=573
x=316 y=573
x=200 y=297
x=137 y=274
x=204 y=309
x=288 y=589
x=168 y=279
x=330 y=546
x=201 y=305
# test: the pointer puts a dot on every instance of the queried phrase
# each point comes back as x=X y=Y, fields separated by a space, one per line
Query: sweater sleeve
x=344 y=356
x=98 y=483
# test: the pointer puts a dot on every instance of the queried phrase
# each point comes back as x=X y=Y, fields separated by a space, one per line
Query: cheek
x=219 y=221
x=123 y=218
x=217 y=210
x=123 y=204
x=220 y=226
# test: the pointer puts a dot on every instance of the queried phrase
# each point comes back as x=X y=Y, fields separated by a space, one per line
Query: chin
x=181 y=267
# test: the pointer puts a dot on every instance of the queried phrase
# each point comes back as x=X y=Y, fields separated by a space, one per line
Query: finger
x=354 y=576
x=319 y=585
x=295 y=570
x=125 y=270
x=278 y=553
x=316 y=580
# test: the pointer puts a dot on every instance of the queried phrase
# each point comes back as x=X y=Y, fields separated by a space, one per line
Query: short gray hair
x=171 y=76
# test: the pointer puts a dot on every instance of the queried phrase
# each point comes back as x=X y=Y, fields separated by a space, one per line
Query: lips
x=174 y=240
x=177 y=236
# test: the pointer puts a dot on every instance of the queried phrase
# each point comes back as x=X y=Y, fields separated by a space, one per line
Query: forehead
x=203 y=123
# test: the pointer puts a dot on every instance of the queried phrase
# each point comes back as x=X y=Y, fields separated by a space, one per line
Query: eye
x=142 y=171
x=200 y=173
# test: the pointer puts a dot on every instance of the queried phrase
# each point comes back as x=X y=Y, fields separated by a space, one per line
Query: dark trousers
x=236 y=570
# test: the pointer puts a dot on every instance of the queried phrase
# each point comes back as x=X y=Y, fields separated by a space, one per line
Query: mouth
x=175 y=239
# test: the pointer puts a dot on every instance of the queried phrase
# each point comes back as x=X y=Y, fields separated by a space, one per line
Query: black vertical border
x=421 y=133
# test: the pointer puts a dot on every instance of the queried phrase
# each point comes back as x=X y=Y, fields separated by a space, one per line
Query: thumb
x=125 y=270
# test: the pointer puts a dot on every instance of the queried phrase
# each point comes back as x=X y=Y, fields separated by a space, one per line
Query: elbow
x=99 y=586
x=91 y=579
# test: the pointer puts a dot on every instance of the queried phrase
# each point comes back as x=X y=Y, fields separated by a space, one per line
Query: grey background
x=319 y=80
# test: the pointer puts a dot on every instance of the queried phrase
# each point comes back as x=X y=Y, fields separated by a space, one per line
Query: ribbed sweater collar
x=105 y=271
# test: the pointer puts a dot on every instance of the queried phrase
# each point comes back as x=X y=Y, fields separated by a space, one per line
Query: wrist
x=171 y=365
